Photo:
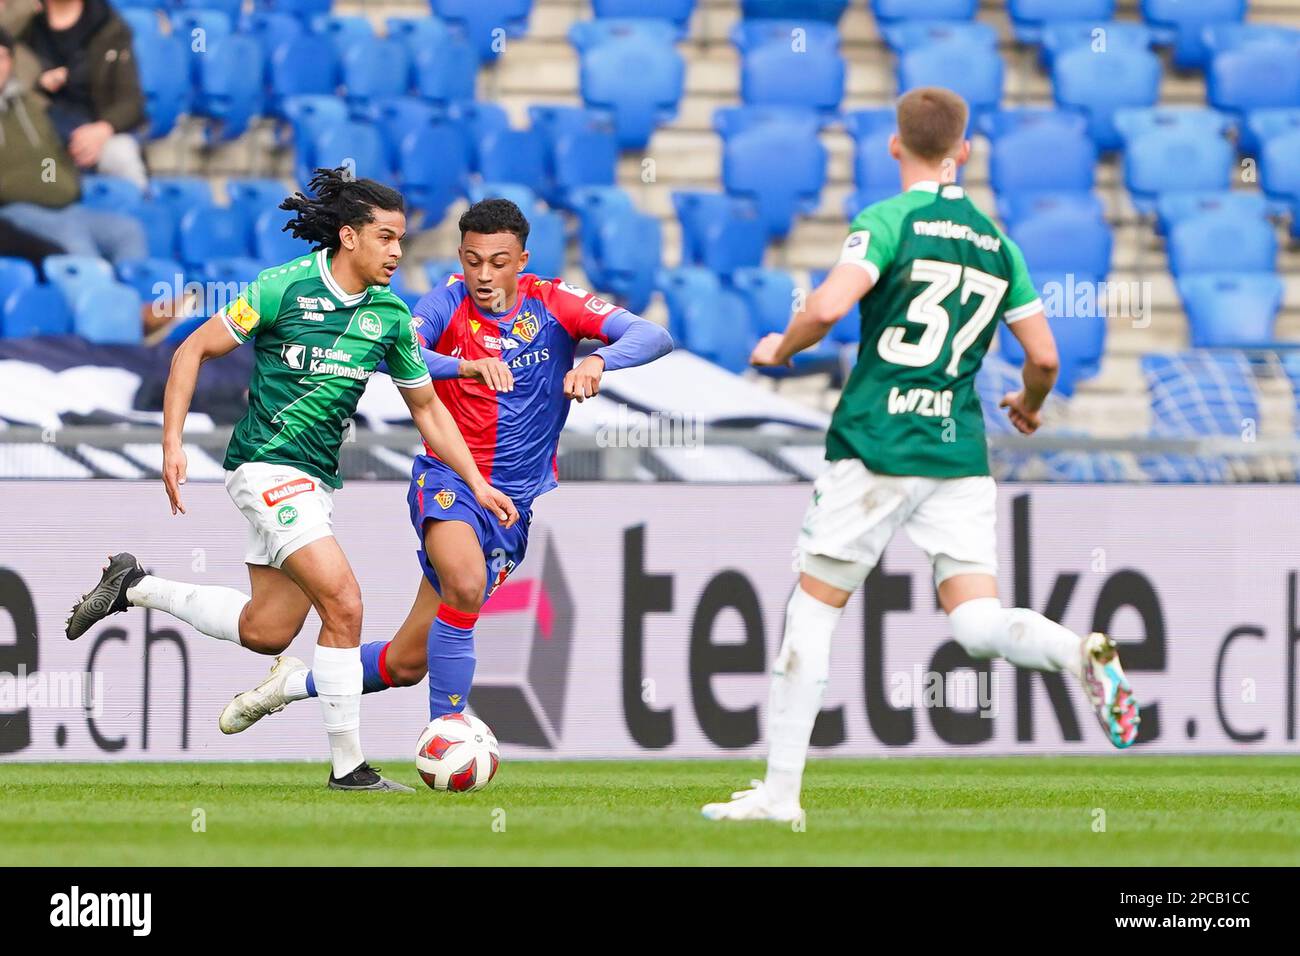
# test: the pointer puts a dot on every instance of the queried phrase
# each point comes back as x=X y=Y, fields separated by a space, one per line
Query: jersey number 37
x=926 y=310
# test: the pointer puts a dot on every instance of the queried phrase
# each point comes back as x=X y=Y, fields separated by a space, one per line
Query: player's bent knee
x=405 y=673
x=342 y=609
x=463 y=592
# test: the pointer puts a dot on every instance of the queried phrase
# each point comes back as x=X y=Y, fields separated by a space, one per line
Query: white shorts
x=854 y=513
x=287 y=509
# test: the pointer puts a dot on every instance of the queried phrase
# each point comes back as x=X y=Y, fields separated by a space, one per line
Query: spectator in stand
x=89 y=73
x=39 y=183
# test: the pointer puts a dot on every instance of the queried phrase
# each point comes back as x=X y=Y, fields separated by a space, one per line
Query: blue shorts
x=437 y=493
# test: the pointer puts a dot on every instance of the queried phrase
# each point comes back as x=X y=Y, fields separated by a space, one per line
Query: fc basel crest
x=526 y=326
x=445 y=498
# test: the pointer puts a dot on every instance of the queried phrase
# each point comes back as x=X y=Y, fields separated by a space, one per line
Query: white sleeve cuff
x=867 y=264
x=1023 y=311
x=412 y=382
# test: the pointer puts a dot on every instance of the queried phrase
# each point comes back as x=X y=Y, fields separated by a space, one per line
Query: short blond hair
x=932 y=122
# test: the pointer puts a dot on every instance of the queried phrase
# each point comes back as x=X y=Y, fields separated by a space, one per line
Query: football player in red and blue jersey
x=500 y=345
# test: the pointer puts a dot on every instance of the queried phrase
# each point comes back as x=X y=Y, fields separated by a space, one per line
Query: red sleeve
x=581 y=313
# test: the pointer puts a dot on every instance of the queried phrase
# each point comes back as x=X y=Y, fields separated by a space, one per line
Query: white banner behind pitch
x=650 y=614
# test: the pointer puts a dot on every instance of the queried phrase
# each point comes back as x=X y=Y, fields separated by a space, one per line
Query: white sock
x=1027 y=639
x=338 y=685
x=295 y=685
x=209 y=609
x=799 y=676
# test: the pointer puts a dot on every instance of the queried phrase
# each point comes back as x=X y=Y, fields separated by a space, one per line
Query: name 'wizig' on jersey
x=944 y=275
x=512 y=435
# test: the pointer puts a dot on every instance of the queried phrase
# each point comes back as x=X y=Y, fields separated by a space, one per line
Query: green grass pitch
x=910 y=811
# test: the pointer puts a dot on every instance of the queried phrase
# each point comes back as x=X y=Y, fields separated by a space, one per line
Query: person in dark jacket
x=39 y=183
x=89 y=74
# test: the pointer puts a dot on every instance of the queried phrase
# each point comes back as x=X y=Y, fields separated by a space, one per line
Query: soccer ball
x=457 y=752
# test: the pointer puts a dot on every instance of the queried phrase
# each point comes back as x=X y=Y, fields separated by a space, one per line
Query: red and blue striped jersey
x=512 y=435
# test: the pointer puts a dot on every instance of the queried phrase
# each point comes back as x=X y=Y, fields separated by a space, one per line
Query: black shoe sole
x=105 y=598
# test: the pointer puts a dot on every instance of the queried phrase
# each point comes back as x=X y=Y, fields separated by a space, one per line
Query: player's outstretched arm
x=631 y=341
x=839 y=292
x=1041 y=365
x=438 y=428
x=210 y=340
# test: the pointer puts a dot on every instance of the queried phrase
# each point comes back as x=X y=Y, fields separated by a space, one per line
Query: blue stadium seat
x=911 y=34
x=303 y=9
x=730 y=121
x=144 y=23
x=150 y=277
x=269 y=28
x=1279 y=169
x=71 y=274
x=1080 y=338
x=1061 y=35
x=231 y=274
x=1002 y=122
x=1176 y=161
x=1231 y=309
x=1195 y=394
x=892 y=11
x=110 y=192
x=230 y=8
x=395 y=116
x=1173 y=208
x=717 y=327
x=1221 y=242
x=582 y=158
x=230 y=84
x=829 y=10
x=35 y=310
x=681 y=286
x=1065 y=242
x=142 y=4
x=250 y=197
x=777 y=74
x=1039 y=159
x=356 y=145
x=624 y=257
x=588 y=34
x=1019 y=206
x=434 y=168
x=719 y=232
x=1030 y=17
x=342 y=31
x=1132 y=123
x=215 y=233
x=159 y=221
x=271 y=244
x=809 y=35
x=678 y=11
x=301 y=66
x=200 y=29
x=1218 y=37
x=770 y=295
x=639 y=81
x=108 y=315
x=485 y=23
x=374 y=68
x=308 y=117
x=15 y=274
x=968 y=68
x=165 y=81
x=1099 y=84
x=875 y=174
x=593 y=205
x=447 y=72
x=1183 y=23
x=546 y=244
x=1253 y=78
x=514 y=156
x=418 y=33
x=779 y=167
x=437 y=271
x=477 y=120
x=181 y=193
x=1264 y=124
x=521 y=196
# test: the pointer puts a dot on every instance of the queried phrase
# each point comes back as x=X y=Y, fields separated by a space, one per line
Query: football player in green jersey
x=931 y=276
x=320 y=326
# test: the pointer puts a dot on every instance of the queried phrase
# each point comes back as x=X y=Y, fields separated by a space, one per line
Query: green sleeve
x=1021 y=300
x=872 y=241
x=254 y=310
x=405 y=360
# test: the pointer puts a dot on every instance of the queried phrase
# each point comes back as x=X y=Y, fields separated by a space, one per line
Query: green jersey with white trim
x=944 y=274
x=316 y=347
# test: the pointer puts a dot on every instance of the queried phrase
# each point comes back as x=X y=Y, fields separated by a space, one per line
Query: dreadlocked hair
x=340 y=200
